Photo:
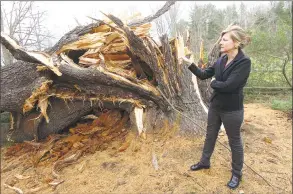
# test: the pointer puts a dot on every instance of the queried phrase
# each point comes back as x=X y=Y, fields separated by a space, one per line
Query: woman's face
x=226 y=43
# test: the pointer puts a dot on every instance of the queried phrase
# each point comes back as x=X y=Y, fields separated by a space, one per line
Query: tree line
x=270 y=28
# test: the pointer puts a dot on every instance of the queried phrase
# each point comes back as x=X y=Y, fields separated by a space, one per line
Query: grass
x=283 y=105
x=278 y=101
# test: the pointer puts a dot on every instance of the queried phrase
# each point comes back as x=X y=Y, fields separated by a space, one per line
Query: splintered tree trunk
x=98 y=67
x=204 y=85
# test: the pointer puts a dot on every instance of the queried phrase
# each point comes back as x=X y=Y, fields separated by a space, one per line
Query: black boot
x=198 y=166
x=234 y=181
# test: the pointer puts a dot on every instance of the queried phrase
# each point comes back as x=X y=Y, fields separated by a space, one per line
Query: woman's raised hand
x=184 y=60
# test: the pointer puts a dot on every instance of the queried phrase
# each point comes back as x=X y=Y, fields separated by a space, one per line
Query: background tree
x=206 y=24
x=271 y=48
x=22 y=21
x=172 y=18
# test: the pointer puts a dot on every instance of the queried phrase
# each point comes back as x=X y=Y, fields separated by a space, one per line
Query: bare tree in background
x=167 y=23
x=22 y=21
x=7 y=57
x=172 y=17
x=161 y=25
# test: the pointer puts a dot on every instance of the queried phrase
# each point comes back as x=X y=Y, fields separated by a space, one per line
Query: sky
x=61 y=14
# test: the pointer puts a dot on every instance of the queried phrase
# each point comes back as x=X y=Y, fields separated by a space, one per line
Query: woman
x=231 y=72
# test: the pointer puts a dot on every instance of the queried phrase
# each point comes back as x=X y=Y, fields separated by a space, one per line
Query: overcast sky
x=61 y=14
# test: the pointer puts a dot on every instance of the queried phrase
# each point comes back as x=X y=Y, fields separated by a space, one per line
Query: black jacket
x=229 y=82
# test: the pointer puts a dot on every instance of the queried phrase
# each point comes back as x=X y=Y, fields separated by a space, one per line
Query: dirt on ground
x=160 y=164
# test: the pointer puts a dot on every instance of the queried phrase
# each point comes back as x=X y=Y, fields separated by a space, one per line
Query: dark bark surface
x=18 y=81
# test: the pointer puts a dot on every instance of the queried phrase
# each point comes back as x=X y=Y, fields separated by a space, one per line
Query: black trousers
x=232 y=122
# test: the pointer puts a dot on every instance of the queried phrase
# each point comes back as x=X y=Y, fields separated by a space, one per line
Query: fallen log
x=104 y=65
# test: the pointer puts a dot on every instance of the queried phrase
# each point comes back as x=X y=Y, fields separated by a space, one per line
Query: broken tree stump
x=102 y=66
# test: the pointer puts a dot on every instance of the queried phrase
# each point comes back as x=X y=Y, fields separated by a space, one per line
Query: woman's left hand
x=184 y=60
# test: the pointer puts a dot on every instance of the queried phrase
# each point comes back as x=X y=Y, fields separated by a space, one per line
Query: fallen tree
x=107 y=65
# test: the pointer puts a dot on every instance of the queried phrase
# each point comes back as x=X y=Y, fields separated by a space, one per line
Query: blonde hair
x=238 y=35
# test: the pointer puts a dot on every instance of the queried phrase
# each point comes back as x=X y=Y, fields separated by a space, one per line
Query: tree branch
x=150 y=18
x=33 y=57
x=284 y=69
